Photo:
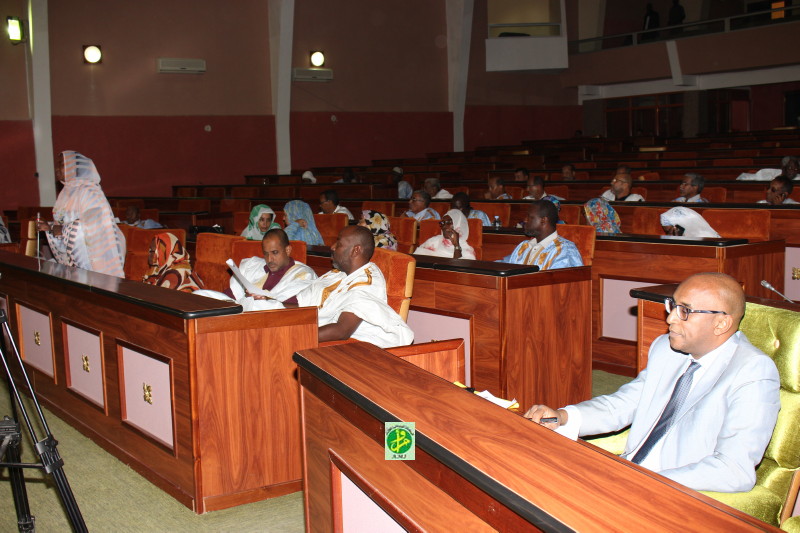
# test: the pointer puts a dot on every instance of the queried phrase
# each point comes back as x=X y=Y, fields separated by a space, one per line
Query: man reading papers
x=703 y=411
x=276 y=273
x=351 y=298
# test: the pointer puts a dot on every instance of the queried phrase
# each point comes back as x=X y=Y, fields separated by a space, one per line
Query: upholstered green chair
x=777 y=333
x=792 y=525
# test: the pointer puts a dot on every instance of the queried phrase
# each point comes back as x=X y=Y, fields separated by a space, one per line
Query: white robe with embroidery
x=294 y=280
x=362 y=293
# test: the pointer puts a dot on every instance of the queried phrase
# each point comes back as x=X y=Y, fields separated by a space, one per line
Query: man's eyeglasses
x=683 y=312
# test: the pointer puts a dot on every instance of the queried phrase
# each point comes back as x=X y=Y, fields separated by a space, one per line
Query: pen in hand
x=549 y=420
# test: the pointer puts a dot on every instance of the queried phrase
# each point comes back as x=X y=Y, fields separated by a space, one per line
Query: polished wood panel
x=474 y=459
x=443 y=358
x=519 y=329
x=232 y=392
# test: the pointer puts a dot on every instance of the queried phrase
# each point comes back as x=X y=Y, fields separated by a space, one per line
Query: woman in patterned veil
x=378 y=224
x=169 y=265
x=300 y=225
x=84 y=233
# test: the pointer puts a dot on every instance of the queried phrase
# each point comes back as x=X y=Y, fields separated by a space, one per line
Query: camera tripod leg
x=10 y=449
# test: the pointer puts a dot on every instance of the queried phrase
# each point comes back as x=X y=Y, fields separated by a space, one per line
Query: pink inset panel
x=361 y=514
x=619 y=308
x=36 y=346
x=792 y=286
x=147 y=401
x=85 y=363
x=429 y=327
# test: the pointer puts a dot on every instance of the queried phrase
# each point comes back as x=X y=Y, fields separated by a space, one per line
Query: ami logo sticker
x=399 y=442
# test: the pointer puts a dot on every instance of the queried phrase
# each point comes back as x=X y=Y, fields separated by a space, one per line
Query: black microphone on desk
x=766 y=284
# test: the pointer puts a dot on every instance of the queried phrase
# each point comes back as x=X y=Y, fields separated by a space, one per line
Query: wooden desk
x=625 y=262
x=222 y=428
x=523 y=345
x=477 y=468
x=652 y=316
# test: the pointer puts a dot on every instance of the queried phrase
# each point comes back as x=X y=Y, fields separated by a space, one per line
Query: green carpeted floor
x=112 y=497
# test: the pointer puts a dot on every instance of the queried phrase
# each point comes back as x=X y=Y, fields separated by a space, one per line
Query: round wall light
x=92 y=54
x=317 y=58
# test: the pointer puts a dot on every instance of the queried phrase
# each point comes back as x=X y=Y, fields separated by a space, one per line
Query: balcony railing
x=692 y=29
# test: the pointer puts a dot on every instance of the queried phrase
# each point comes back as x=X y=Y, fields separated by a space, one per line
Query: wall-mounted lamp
x=317 y=58
x=16 y=31
x=92 y=54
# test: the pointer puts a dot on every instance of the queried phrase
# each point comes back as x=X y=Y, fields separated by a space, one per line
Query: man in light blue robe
x=546 y=249
x=460 y=201
x=419 y=207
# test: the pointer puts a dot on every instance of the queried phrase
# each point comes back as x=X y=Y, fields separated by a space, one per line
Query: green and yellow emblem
x=399 y=444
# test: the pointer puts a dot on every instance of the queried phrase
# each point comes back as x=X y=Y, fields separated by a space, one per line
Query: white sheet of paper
x=249 y=287
x=505 y=404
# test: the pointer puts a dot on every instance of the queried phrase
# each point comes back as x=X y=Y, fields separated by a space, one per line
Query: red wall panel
x=358 y=138
x=18 y=164
x=510 y=125
x=145 y=156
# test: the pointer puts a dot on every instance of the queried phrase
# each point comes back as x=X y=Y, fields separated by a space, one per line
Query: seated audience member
x=691 y=186
x=790 y=167
x=348 y=177
x=521 y=174
x=276 y=272
x=329 y=203
x=262 y=219
x=546 y=249
x=378 y=224
x=568 y=172
x=169 y=265
x=453 y=240
x=351 y=298
x=620 y=190
x=497 y=189
x=132 y=219
x=460 y=201
x=404 y=189
x=300 y=225
x=5 y=236
x=778 y=192
x=308 y=177
x=419 y=207
x=536 y=191
x=684 y=222
x=601 y=215
x=703 y=411
x=433 y=187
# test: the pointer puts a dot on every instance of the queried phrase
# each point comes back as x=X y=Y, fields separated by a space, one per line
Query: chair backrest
x=137 y=241
x=651 y=176
x=405 y=230
x=562 y=191
x=570 y=214
x=583 y=237
x=232 y=205
x=398 y=269
x=776 y=332
x=240 y=221
x=493 y=209
x=647 y=220
x=329 y=226
x=440 y=206
x=715 y=195
x=194 y=204
x=385 y=208
x=516 y=191
x=431 y=228
x=748 y=224
x=244 y=248
x=211 y=252
x=641 y=191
